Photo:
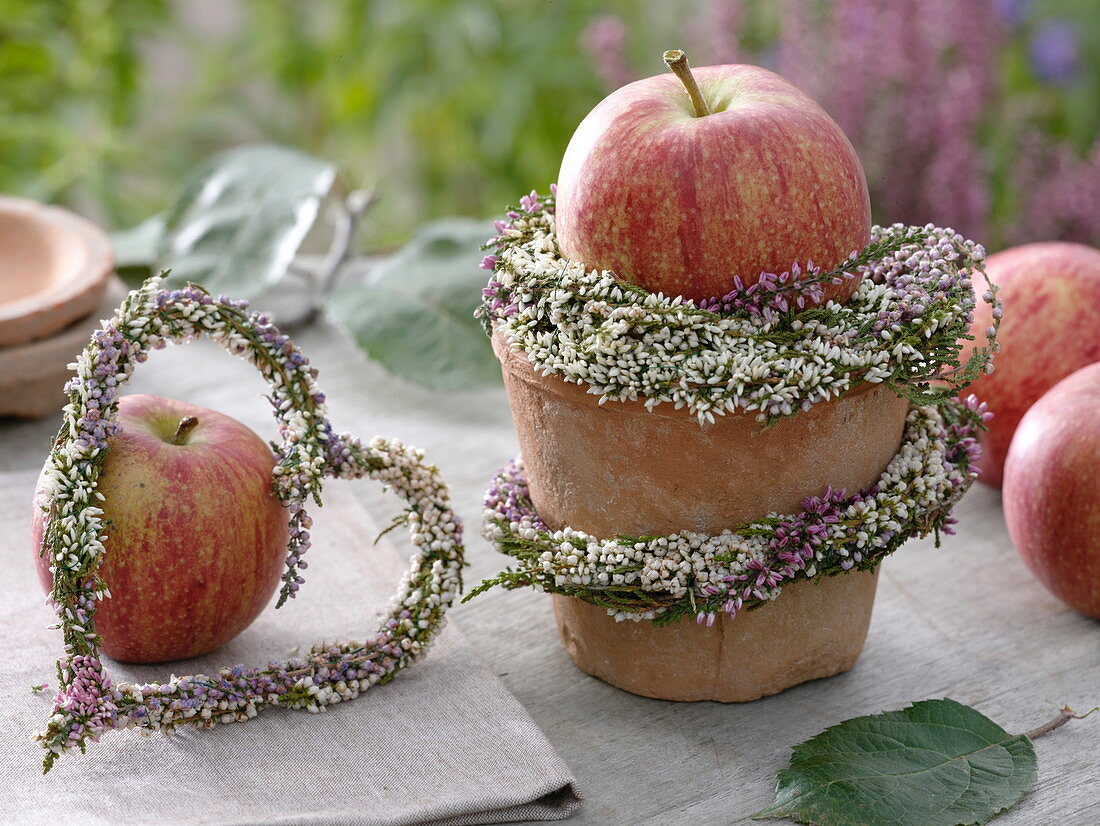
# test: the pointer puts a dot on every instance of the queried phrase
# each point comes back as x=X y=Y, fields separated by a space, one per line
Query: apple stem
x=677 y=62
x=186 y=425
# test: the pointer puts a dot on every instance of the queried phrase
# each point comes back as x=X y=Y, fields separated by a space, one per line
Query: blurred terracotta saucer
x=33 y=375
x=54 y=267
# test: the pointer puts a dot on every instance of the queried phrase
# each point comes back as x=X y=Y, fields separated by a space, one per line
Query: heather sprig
x=692 y=574
x=88 y=703
x=775 y=293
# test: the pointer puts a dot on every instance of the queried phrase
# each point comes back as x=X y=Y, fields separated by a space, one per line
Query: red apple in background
x=1052 y=490
x=1051 y=327
x=678 y=201
x=196 y=538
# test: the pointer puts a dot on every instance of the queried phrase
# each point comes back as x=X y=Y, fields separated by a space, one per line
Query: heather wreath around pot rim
x=754 y=349
x=88 y=703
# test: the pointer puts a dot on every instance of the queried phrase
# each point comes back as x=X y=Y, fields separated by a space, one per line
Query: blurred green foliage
x=446 y=107
x=71 y=76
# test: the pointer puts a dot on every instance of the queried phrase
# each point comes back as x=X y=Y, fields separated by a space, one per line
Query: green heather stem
x=677 y=62
x=186 y=425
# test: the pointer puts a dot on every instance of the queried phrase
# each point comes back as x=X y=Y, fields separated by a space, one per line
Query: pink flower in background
x=1062 y=193
x=908 y=81
x=605 y=40
x=917 y=86
x=718 y=27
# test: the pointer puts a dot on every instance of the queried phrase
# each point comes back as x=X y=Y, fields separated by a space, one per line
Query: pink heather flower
x=530 y=203
x=705 y=617
x=725 y=25
x=981 y=408
x=1062 y=192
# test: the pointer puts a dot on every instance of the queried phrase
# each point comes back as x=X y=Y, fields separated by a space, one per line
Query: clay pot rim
x=76 y=286
x=521 y=367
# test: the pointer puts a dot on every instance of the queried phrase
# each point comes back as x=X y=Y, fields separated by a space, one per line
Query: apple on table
x=1051 y=297
x=1052 y=490
x=678 y=193
x=196 y=538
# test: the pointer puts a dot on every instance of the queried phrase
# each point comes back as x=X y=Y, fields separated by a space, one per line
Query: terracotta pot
x=32 y=375
x=618 y=468
x=54 y=267
x=814 y=629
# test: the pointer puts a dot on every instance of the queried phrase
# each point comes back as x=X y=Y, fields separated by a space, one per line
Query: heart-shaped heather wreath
x=88 y=703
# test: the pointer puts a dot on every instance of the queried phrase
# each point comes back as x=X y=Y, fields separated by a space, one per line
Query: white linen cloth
x=444 y=743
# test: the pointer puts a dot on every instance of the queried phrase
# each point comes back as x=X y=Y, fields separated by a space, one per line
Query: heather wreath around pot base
x=689 y=461
x=702 y=575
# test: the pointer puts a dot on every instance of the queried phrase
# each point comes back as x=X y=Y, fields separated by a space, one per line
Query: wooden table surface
x=966 y=621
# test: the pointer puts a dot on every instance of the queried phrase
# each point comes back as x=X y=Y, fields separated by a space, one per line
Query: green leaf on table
x=241 y=217
x=414 y=313
x=936 y=763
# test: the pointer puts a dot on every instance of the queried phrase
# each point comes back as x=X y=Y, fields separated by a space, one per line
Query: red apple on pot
x=678 y=189
x=1052 y=490
x=1051 y=327
x=196 y=539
